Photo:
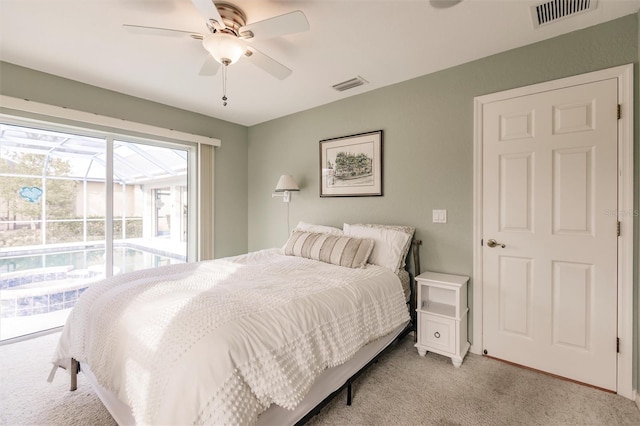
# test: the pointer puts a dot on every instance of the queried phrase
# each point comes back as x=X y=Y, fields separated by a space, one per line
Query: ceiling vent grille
x=554 y=10
x=350 y=84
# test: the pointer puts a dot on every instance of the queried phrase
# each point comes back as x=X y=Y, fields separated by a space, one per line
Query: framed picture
x=351 y=166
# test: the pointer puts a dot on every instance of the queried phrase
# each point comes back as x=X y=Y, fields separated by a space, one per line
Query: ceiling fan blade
x=208 y=10
x=289 y=23
x=443 y=4
x=267 y=63
x=165 y=32
x=209 y=67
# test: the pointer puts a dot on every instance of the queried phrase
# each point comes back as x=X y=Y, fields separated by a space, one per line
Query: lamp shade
x=224 y=47
x=286 y=183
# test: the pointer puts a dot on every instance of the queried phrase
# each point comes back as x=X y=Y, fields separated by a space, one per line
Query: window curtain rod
x=32 y=107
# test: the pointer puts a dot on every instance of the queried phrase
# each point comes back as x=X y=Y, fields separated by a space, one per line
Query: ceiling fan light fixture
x=225 y=48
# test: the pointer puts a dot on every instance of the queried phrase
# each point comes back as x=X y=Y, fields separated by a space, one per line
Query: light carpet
x=401 y=389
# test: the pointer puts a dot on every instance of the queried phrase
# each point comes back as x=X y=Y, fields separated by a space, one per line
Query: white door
x=549 y=195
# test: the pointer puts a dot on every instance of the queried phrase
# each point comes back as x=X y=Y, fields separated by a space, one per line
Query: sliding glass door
x=148 y=208
x=78 y=206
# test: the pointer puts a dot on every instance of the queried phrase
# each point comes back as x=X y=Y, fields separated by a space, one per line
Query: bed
x=264 y=338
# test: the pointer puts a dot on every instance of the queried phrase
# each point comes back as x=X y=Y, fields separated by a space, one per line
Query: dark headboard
x=415 y=248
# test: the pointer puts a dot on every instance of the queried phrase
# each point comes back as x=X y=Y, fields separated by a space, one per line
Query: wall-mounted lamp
x=286 y=185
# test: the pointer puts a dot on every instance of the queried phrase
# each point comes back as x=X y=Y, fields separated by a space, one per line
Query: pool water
x=124 y=260
x=42 y=283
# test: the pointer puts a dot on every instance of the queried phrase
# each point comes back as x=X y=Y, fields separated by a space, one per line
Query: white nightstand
x=442 y=315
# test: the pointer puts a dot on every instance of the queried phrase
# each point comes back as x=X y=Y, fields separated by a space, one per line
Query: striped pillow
x=336 y=249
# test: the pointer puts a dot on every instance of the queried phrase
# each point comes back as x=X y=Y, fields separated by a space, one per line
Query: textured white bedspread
x=217 y=342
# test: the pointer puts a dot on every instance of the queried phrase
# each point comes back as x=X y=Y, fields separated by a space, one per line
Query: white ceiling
x=385 y=42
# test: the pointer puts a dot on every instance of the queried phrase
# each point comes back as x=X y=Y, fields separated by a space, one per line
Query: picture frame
x=351 y=166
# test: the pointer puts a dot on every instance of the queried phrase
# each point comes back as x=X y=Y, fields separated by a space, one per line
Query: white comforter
x=217 y=342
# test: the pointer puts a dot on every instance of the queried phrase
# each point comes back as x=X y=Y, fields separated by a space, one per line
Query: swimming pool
x=54 y=279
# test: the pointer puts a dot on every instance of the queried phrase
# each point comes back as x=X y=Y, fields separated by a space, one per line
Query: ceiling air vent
x=554 y=10
x=350 y=84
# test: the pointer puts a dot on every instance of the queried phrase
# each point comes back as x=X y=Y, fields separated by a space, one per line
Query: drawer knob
x=437 y=335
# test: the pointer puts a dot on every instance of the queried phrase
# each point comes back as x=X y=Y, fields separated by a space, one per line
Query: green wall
x=231 y=158
x=428 y=144
x=636 y=294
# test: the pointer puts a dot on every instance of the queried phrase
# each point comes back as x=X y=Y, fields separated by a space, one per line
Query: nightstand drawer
x=438 y=333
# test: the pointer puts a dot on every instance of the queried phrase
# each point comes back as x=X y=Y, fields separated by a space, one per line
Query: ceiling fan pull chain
x=224 y=85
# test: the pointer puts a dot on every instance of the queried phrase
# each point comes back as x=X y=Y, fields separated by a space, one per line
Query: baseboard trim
x=30 y=336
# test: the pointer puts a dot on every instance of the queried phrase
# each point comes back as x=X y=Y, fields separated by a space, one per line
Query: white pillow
x=309 y=227
x=389 y=247
x=410 y=230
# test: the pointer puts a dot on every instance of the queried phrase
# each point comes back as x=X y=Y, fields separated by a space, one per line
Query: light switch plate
x=439 y=216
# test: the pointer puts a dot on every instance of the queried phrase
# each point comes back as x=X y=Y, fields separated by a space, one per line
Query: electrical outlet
x=439 y=216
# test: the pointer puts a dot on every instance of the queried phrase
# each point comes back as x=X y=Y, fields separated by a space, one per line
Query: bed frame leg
x=349 y=394
x=75 y=367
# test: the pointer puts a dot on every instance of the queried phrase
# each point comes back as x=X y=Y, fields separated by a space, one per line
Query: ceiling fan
x=228 y=33
x=443 y=4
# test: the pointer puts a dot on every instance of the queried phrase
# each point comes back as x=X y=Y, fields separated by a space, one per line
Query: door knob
x=493 y=243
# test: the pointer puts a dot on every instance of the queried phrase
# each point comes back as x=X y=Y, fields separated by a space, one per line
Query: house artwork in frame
x=351 y=166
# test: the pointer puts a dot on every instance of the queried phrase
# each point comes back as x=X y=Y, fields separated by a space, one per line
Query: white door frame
x=624 y=74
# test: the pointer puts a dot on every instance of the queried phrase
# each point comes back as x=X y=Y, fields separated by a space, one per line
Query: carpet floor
x=401 y=389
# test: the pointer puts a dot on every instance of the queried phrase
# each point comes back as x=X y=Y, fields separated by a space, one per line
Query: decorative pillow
x=335 y=249
x=409 y=230
x=392 y=243
x=309 y=227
